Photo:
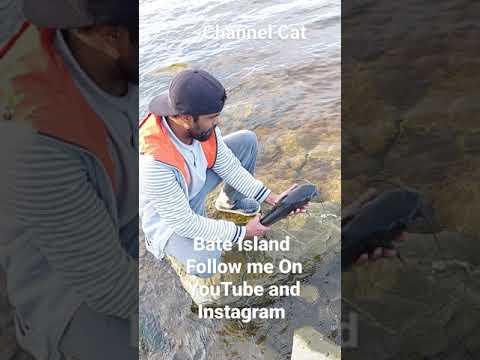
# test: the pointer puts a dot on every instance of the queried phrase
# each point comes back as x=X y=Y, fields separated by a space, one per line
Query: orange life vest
x=155 y=142
x=36 y=87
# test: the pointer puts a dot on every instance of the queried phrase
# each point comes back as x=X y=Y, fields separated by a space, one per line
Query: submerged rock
x=410 y=112
x=171 y=70
x=425 y=308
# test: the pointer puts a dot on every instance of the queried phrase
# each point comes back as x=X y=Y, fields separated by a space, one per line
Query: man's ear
x=185 y=121
x=189 y=120
x=111 y=37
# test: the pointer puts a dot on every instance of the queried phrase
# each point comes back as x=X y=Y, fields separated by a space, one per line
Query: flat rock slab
x=309 y=344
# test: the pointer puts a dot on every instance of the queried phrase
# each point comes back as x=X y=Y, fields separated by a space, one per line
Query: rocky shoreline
x=317 y=246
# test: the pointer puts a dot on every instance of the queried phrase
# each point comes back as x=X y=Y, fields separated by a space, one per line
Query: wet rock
x=359 y=164
x=309 y=293
x=170 y=328
x=309 y=344
x=473 y=342
x=428 y=96
x=417 y=307
x=167 y=326
x=431 y=154
x=373 y=123
x=311 y=152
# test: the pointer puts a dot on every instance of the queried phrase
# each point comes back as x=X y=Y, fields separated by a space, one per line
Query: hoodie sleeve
x=160 y=185
x=58 y=208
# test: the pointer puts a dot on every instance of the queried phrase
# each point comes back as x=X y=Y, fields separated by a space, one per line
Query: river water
x=288 y=92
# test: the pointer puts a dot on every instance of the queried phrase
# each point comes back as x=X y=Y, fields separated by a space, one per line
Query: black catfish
x=378 y=222
x=295 y=199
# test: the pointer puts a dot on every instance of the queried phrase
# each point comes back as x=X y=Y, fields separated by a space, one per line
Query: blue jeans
x=244 y=145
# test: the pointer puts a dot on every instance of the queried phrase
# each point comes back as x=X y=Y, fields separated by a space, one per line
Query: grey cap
x=191 y=92
x=63 y=14
x=58 y=13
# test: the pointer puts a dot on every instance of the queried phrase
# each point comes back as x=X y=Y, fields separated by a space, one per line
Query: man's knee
x=249 y=138
x=242 y=140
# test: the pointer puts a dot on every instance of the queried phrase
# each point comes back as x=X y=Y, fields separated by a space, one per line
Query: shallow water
x=273 y=83
x=288 y=92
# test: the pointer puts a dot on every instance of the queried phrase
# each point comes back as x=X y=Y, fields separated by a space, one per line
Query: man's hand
x=380 y=252
x=273 y=199
x=254 y=228
x=349 y=212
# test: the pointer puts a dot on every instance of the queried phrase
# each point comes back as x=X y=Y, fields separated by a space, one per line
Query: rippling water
x=275 y=77
x=288 y=91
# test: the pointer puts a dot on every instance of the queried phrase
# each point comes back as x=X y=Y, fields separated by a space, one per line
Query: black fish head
x=302 y=193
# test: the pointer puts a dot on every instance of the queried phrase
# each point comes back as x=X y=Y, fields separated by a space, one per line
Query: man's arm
x=161 y=186
x=229 y=168
x=57 y=205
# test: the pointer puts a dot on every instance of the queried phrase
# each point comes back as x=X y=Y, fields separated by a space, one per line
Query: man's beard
x=131 y=71
x=204 y=135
